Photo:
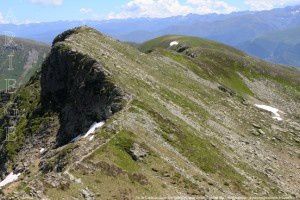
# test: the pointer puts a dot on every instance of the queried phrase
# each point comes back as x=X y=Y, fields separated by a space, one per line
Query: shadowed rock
x=77 y=87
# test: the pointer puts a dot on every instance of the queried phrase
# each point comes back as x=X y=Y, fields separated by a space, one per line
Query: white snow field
x=93 y=128
x=273 y=110
x=9 y=179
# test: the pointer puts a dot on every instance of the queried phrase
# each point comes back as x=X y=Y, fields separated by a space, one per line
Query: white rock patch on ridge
x=174 y=43
x=273 y=110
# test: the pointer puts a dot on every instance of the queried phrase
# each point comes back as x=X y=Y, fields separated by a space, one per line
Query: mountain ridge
x=234 y=29
x=119 y=27
x=188 y=129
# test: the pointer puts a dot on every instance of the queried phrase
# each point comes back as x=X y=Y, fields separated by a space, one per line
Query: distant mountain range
x=237 y=29
x=279 y=47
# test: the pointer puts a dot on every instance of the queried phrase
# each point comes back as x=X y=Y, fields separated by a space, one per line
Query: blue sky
x=25 y=11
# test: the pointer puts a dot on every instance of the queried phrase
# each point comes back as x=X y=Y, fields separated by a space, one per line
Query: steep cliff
x=78 y=87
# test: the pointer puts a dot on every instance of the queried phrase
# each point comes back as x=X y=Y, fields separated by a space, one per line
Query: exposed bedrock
x=77 y=87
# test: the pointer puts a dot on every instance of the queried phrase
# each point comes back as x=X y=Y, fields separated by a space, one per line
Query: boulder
x=256 y=125
x=87 y=194
x=227 y=90
x=137 y=152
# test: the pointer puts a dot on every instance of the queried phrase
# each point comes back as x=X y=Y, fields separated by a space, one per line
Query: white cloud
x=86 y=10
x=151 y=8
x=269 y=4
x=48 y=2
x=9 y=18
x=2 y=21
x=90 y=13
x=211 y=6
x=167 y=8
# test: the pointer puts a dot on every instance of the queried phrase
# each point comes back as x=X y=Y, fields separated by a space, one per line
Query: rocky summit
x=78 y=87
x=176 y=117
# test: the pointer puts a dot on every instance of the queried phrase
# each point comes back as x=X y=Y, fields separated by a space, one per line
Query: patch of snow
x=42 y=150
x=278 y=118
x=174 y=43
x=91 y=138
x=9 y=179
x=93 y=128
x=273 y=110
x=76 y=139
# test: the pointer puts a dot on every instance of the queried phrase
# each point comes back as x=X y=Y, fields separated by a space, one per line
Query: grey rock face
x=137 y=152
x=87 y=194
x=227 y=90
x=78 y=88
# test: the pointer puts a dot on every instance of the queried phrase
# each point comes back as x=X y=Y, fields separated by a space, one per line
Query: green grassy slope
x=165 y=41
x=27 y=58
x=220 y=62
x=201 y=141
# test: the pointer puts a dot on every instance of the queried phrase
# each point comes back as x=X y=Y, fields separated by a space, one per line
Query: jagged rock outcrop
x=78 y=88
